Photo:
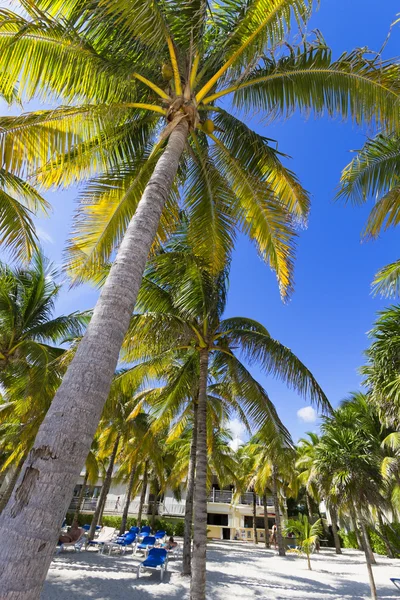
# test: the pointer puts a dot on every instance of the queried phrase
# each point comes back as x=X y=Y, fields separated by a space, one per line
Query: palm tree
x=117 y=103
x=382 y=367
x=346 y=457
x=314 y=485
x=274 y=458
x=184 y=306
x=307 y=534
x=30 y=335
x=374 y=172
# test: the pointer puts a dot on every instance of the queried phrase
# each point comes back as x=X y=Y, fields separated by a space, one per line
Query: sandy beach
x=233 y=570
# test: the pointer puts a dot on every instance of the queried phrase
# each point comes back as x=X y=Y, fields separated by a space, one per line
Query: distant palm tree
x=166 y=69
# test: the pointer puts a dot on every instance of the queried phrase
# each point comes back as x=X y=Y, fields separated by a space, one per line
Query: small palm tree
x=307 y=534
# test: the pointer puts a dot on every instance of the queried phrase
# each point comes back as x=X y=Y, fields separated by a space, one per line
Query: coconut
x=208 y=126
x=167 y=72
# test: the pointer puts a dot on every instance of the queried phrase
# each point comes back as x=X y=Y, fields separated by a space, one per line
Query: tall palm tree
x=117 y=103
x=184 y=305
x=346 y=457
x=274 y=458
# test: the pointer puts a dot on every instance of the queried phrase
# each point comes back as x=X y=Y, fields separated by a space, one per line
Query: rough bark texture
x=198 y=582
x=356 y=529
x=142 y=495
x=187 y=535
x=385 y=538
x=309 y=507
x=10 y=488
x=80 y=499
x=255 y=518
x=127 y=500
x=266 y=528
x=154 y=508
x=279 y=537
x=364 y=535
x=334 y=519
x=49 y=475
x=104 y=490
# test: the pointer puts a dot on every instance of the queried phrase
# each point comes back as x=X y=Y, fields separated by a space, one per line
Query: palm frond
x=387 y=280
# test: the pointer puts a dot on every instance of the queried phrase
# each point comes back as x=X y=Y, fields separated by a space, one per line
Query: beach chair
x=122 y=543
x=157 y=559
x=145 y=545
x=77 y=546
x=396 y=582
x=160 y=535
x=107 y=534
x=134 y=530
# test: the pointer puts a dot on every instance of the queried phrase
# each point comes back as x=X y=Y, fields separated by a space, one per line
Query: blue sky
x=326 y=321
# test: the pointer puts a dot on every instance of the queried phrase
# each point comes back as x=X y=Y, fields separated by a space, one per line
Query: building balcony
x=228 y=497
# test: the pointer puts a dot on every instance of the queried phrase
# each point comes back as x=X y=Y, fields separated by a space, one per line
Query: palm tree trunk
x=266 y=528
x=279 y=537
x=10 y=488
x=154 y=508
x=198 y=581
x=187 y=535
x=80 y=499
x=142 y=494
x=49 y=475
x=356 y=530
x=309 y=507
x=309 y=562
x=364 y=534
x=255 y=518
x=384 y=537
x=333 y=513
x=98 y=513
x=127 y=500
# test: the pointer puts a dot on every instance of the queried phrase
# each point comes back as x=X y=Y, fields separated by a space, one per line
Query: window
x=217 y=519
x=248 y=522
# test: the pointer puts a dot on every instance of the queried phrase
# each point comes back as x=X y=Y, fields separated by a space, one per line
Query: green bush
x=393 y=535
x=349 y=540
x=179 y=528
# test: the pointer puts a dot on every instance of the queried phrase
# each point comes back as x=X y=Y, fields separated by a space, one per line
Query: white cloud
x=307 y=414
x=238 y=431
x=44 y=236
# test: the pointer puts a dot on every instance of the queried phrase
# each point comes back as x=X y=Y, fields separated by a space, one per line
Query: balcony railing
x=88 y=504
x=227 y=496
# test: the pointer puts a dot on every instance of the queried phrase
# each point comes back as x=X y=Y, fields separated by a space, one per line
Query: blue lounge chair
x=134 y=530
x=395 y=581
x=157 y=559
x=122 y=543
x=160 y=535
x=146 y=530
x=145 y=545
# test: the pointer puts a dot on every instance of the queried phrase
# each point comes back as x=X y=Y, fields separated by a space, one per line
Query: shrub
x=179 y=528
x=349 y=540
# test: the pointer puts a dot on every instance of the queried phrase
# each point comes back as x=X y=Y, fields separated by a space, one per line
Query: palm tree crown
x=121 y=94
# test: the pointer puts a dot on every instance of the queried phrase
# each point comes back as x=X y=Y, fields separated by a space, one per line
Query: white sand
x=234 y=570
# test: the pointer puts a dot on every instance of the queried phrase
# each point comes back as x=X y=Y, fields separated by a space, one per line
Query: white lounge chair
x=77 y=546
x=107 y=534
